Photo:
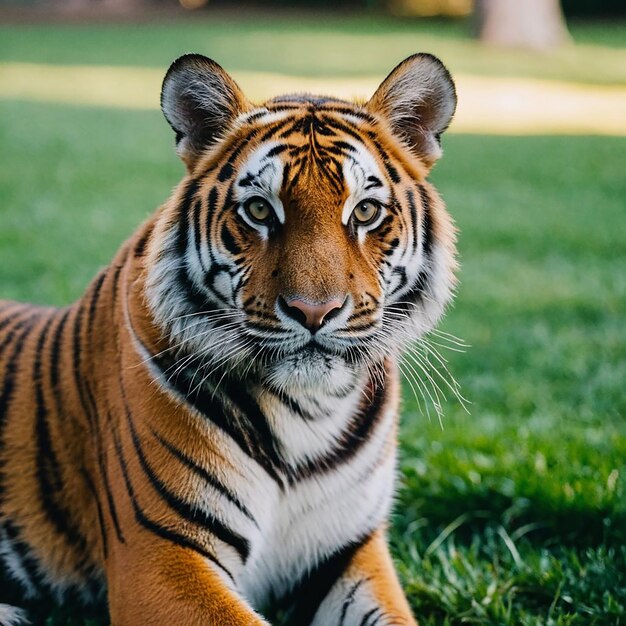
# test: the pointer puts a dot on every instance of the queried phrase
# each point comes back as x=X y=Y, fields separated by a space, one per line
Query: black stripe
x=374 y=183
x=47 y=465
x=92 y=488
x=352 y=440
x=205 y=475
x=254 y=422
x=195 y=297
x=348 y=111
x=161 y=531
x=343 y=126
x=225 y=172
x=283 y=105
x=140 y=246
x=106 y=483
x=310 y=591
x=271 y=130
x=279 y=149
x=358 y=327
x=55 y=356
x=410 y=196
x=183 y=216
x=6 y=311
x=217 y=413
x=247 y=181
x=88 y=406
x=76 y=364
x=344 y=147
x=93 y=303
x=17 y=335
x=189 y=512
x=415 y=294
x=114 y=286
x=215 y=269
x=399 y=271
x=240 y=145
x=291 y=403
x=391 y=246
x=197 y=231
x=426 y=220
x=29 y=563
x=389 y=167
x=273 y=330
x=229 y=202
x=333 y=174
x=18 y=320
x=366 y=618
x=229 y=241
x=255 y=116
x=348 y=601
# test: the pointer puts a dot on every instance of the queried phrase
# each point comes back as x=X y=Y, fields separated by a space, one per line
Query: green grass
x=513 y=515
x=309 y=45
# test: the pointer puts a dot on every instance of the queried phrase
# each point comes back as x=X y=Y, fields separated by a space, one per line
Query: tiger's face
x=306 y=244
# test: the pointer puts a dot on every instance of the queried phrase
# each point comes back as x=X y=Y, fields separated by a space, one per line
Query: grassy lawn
x=316 y=46
x=513 y=515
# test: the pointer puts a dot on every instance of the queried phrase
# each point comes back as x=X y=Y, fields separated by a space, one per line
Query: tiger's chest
x=343 y=495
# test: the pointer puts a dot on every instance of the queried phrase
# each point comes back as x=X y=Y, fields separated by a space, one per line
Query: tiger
x=208 y=436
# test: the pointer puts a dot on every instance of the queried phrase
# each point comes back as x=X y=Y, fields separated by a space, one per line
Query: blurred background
x=511 y=514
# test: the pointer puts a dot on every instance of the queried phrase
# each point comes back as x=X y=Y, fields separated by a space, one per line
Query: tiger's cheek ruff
x=428 y=273
x=191 y=284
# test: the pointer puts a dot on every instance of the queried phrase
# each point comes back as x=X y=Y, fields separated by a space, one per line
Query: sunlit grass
x=306 y=45
x=486 y=105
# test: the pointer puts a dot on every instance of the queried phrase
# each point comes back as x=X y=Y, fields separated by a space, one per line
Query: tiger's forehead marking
x=262 y=115
x=310 y=134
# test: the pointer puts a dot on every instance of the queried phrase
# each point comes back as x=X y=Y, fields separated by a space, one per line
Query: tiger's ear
x=418 y=100
x=200 y=101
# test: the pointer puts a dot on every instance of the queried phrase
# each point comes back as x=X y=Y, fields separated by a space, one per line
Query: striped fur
x=178 y=441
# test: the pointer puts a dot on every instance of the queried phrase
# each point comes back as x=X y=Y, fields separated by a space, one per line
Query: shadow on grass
x=540 y=521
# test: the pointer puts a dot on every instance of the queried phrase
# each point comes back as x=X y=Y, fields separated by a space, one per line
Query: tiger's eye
x=366 y=212
x=258 y=210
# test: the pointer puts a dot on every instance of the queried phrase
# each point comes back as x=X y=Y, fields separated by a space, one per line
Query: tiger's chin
x=312 y=371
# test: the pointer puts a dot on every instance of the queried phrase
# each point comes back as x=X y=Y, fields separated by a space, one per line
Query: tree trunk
x=532 y=24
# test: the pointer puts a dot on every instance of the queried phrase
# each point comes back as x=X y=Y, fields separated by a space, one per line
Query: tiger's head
x=305 y=244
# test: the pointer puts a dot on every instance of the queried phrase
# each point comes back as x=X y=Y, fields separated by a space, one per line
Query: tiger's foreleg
x=167 y=585
x=368 y=592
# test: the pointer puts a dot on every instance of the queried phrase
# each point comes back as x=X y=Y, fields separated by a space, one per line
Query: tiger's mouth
x=312 y=366
x=314 y=348
x=337 y=347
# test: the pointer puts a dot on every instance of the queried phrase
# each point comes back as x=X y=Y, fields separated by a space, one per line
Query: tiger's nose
x=311 y=316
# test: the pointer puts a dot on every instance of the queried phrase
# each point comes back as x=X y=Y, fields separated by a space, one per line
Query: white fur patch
x=13 y=564
x=317 y=515
x=351 y=599
x=12 y=616
x=357 y=167
x=266 y=175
